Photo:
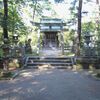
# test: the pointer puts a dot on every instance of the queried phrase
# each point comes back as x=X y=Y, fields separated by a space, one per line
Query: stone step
x=48 y=67
x=49 y=61
x=40 y=58
x=43 y=63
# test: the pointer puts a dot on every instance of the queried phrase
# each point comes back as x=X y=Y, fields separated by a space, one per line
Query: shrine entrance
x=50 y=40
x=52 y=32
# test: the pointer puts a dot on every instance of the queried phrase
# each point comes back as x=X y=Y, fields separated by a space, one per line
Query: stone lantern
x=88 y=44
x=87 y=38
x=15 y=38
x=15 y=51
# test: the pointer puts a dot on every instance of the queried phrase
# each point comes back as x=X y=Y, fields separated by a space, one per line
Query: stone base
x=87 y=61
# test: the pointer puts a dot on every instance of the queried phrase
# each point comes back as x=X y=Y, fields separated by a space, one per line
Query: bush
x=13 y=64
x=98 y=75
x=7 y=74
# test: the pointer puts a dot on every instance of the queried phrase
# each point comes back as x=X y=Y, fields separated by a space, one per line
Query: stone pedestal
x=5 y=50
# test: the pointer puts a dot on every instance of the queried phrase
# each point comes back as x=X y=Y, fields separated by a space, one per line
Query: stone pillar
x=38 y=41
x=62 y=42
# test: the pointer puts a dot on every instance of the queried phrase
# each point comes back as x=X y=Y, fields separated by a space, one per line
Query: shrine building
x=52 y=30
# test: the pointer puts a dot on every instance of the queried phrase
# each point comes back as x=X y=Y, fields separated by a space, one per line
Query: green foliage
x=97 y=41
x=15 y=23
x=69 y=37
x=15 y=19
x=8 y=74
x=1 y=52
x=1 y=12
x=98 y=75
x=88 y=27
x=1 y=31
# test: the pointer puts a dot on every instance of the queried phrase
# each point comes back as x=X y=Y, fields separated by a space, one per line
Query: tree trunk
x=98 y=18
x=98 y=3
x=34 y=10
x=5 y=29
x=79 y=27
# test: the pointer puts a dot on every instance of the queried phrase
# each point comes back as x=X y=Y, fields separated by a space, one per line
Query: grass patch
x=98 y=75
x=69 y=54
x=94 y=72
x=77 y=67
x=5 y=75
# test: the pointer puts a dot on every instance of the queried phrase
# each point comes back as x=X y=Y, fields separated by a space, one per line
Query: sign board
x=51 y=25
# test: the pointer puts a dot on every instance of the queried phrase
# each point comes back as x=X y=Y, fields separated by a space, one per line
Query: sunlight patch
x=44 y=67
x=27 y=74
x=35 y=83
x=42 y=89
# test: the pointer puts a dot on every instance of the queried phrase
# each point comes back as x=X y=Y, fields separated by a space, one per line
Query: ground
x=51 y=84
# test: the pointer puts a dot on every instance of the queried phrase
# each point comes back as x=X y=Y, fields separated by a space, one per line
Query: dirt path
x=52 y=84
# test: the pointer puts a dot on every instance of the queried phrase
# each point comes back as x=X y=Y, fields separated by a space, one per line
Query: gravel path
x=52 y=84
x=51 y=52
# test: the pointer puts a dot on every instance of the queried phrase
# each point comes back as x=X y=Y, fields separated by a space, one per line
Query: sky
x=62 y=10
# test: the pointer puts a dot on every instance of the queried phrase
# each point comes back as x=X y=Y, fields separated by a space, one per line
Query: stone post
x=62 y=42
x=38 y=41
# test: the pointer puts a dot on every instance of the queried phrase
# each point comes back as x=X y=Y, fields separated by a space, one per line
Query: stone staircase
x=55 y=62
